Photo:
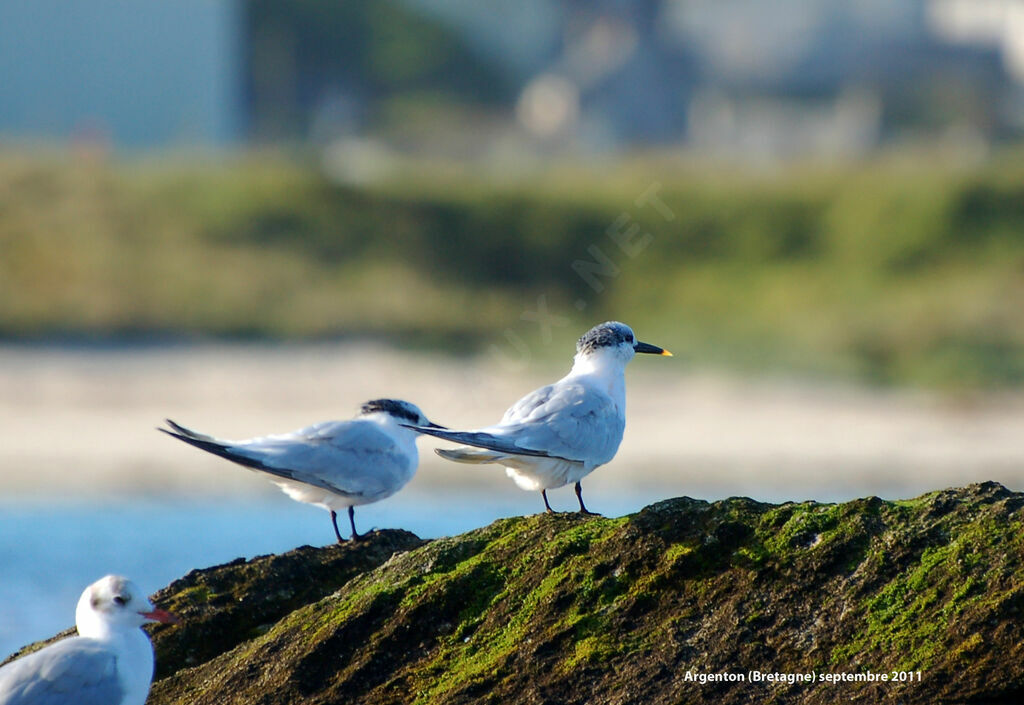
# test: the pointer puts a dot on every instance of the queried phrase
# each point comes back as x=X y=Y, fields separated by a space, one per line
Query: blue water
x=50 y=551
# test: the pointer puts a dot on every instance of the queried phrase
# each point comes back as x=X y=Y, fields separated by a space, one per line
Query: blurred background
x=249 y=216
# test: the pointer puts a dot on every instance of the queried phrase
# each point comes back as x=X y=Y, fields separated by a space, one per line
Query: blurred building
x=757 y=78
x=750 y=78
x=133 y=73
x=995 y=24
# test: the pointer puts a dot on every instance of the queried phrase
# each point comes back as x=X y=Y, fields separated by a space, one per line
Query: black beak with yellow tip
x=651 y=349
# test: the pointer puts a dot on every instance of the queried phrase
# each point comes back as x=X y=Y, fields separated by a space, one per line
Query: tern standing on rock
x=334 y=464
x=110 y=662
x=558 y=434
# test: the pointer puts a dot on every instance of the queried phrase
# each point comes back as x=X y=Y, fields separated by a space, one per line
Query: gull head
x=114 y=603
x=401 y=411
x=615 y=340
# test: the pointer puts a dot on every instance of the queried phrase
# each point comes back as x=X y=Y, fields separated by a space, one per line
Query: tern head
x=114 y=603
x=402 y=411
x=616 y=340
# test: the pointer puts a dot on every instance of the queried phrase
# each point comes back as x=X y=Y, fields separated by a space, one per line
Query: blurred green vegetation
x=885 y=272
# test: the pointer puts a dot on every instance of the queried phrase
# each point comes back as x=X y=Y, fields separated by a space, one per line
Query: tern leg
x=579 y=496
x=352 y=523
x=544 y=494
x=334 y=520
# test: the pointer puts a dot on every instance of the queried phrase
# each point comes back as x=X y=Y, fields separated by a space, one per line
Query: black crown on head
x=390 y=406
x=605 y=335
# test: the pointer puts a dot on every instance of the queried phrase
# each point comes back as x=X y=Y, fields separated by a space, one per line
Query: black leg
x=579 y=496
x=547 y=507
x=334 y=520
x=352 y=523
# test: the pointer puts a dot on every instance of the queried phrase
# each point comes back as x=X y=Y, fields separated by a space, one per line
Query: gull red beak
x=162 y=616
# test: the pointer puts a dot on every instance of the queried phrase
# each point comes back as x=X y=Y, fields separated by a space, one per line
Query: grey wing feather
x=74 y=670
x=569 y=421
x=332 y=455
x=528 y=405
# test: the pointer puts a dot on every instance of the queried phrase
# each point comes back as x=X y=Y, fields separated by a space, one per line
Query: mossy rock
x=226 y=605
x=572 y=609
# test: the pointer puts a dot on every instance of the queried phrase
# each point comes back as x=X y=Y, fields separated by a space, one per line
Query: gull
x=332 y=464
x=110 y=662
x=560 y=433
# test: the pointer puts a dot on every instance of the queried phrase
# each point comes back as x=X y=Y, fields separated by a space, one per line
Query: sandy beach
x=80 y=421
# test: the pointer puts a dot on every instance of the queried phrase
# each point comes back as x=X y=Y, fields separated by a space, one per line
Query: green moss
x=803 y=528
x=911 y=613
x=530 y=584
x=195 y=595
x=597 y=649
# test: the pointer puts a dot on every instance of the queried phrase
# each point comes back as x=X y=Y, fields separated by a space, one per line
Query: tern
x=560 y=433
x=333 y=464
x=110 y=662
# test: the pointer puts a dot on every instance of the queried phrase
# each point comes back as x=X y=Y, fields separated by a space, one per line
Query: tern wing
x=349 y=458
x=74 y=670
x=566 y=420
x=526 y=408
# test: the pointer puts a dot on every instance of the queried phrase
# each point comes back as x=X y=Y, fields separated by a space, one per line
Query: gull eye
x=120 y=600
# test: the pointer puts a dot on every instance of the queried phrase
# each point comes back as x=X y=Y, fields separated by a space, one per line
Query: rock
x=232 y=603
x=640 y=609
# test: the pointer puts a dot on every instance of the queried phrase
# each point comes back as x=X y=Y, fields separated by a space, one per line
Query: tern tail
x=179 y=431
x=470 y=455
x=224 y=450
x=212 y=445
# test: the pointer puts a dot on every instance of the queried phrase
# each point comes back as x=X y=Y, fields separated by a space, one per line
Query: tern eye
x=120 y=600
